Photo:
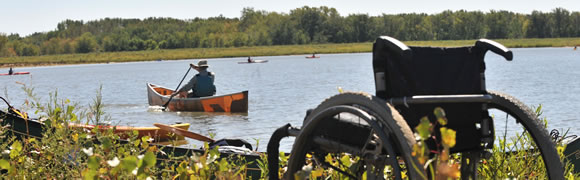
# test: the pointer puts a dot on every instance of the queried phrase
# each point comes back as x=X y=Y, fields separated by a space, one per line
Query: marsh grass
x=204 y=53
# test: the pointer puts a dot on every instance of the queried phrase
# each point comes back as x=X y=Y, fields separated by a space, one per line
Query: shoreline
x=254 y=51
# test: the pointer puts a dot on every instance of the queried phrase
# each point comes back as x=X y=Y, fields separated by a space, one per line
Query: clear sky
x=28 y=16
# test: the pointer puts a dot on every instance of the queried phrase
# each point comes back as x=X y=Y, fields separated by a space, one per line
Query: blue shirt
x=206 y=85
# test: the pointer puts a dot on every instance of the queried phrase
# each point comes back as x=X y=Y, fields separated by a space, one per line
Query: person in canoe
x=10 y=71
x=201 y=85
x=250 y=60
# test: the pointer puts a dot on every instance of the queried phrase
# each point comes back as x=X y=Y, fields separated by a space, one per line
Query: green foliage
x=518 y=157
x=71 y=153
x=86 y=43
x=304 y=25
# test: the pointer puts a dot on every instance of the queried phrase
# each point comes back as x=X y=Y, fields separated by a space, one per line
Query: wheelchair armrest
x=395 y=45
x=495 y=47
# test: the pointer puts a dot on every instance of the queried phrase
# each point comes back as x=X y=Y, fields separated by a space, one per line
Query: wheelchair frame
x=391 y=133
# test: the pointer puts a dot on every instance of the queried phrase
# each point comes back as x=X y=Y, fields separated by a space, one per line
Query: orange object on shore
x=125 y=131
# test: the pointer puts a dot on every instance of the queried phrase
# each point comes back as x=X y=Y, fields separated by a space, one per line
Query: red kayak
x=16 y=73
x=310 y=57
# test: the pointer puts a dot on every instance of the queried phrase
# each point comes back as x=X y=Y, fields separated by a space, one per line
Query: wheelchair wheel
x=531 y=124
x=364 y=127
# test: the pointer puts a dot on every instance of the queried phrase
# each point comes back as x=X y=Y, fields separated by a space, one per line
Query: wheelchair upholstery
x=406 y=71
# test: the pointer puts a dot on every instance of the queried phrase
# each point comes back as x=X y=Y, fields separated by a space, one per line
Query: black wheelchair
x=410 y=82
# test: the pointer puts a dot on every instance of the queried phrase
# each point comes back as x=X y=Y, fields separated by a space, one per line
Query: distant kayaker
x=201 y=85
x=10 y=71
x=249 y=60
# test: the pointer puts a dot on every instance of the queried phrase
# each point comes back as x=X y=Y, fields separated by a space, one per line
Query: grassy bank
x=198 y=53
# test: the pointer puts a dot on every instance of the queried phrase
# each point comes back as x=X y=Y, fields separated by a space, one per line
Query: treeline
x=301 y=26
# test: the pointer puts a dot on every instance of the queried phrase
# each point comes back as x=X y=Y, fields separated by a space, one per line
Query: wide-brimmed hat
x=202 y=63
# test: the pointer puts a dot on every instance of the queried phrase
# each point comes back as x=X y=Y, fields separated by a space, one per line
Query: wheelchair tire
x=386 y=122
x=535 y=127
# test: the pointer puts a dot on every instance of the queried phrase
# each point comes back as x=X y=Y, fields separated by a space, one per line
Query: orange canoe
x=235 y=102
x=124 y=131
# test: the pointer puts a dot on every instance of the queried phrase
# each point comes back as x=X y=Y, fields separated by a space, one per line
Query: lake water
x=281 y=90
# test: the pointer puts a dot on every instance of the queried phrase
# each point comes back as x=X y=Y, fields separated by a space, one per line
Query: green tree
x=333 y=25
x=562 y=26
x=390 y=25
x=575 y=24
x=86 y=43
x=443 y=25
x=52 y=46
x=136 y=44
x=3 y=45
x=300 y=26
x=541 y=25
x=151 y=44
x=309 y=20
x=361 y=26
x=468 y=25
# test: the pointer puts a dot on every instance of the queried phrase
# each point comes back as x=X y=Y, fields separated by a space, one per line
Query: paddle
x=177 y=88
x=183 y=132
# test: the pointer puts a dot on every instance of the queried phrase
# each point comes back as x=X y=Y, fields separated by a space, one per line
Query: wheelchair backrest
x=405 y=71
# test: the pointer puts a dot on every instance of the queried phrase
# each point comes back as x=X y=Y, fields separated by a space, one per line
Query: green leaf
x=283 y=157
x=73 y=118
x=182 y=168
x=150 y=159
x=213 y=155
x=70 y=109
x=106 y=142
x=442 y=121
x=129 y=163
x=346 y=160
x=144 y=141
x=424 y=128
x=440 y=115
x=89 y=174
x=4 y=164
x=142 y=176
x=223 y=165
x=539 y=110
x=16 y=148
x=93 y=163
x=145 y=138
x=136 y=143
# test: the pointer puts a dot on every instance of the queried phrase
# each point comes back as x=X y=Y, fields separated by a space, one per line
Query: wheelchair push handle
x=396 y=45
x=495 y=47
